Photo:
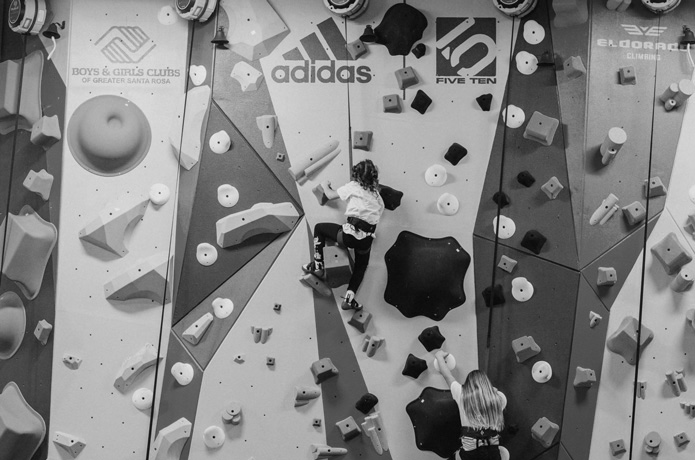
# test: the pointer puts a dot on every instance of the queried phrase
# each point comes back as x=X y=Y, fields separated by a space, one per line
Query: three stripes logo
x=125 y=44
x=329 y=48
x=466 y=50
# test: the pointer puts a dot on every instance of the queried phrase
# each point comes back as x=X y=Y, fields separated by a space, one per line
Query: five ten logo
x=311 y=49
x=651 y=31
x=125 y=45
x=466 y=50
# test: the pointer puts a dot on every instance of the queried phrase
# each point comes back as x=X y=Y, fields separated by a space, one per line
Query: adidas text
x=311 y=73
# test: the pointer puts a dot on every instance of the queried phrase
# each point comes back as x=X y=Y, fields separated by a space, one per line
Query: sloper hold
x=570 y=12
x=361 y=140
x=349 y=429
x=187 y=140
x=144 y=280
x=533 y=241
x=170 y=440
x=455 y=153
x=406 y=77
x=22 y=429
x=108 y=229
x=196 y=330
x=544 y=431
x=257 y=29
x=267 y=124
x=525 y=348
x=624 y=340
x=584 y=378
x=356 y=48
x=39 y=183
x=316 y=159
x=248 y=76
x=29 y=242
x=671 y=253
x=414 y=366
x=70 y=443
x=360 y=320
x=71 y=361
x=29 y=109
x=316 y=284
x=43 y=331
x=261 y=218
x=541 y=128
x=431 y=338
x=391 y=196
x=305 y=394
x=323 y=369
x=617 y=447
x=135 y=365
x=421 y=102
x=484 y=102
x=401 y=27
x=45 y=132
x=366 y=403
x=574 y=67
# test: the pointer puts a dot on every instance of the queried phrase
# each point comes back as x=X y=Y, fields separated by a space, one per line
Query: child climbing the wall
x=480 y=409
x=364 y=209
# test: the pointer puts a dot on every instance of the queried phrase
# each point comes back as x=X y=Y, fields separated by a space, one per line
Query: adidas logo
x=312 y=49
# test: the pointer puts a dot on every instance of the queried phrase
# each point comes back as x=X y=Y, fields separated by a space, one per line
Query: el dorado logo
x=306 y=70
x=466 y=50
x=644 y=43
x=125 y=45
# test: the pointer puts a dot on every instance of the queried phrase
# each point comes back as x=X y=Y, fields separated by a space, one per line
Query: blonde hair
x=481 y=402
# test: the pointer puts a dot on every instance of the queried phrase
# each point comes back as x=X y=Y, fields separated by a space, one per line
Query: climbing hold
x=247 y=75
x=73 y=445
x=541 y=128
x=71 y=361
x=108 y=229
x=314 y=161
x=356 y=49
x=323 y=452
x=269 y=361
x=401 y=27
x=634 y=213
x=206 y=254
x=671 y=253
x=350 y=9
x=484 y=102
x=546 y=59
x=222 y=307
x=39 y=183
x=280 y=156
x=541 y=372
x=544 y=431
x=29 y=242
x=361 y=140
x=661 y=6
x=42 y=331
x=142 y=398
x=676 y=381
x=526 y=63
x=522 y=289
x=430 y=289
x=261 y=218
x=197 y=74
x=436 y=175
x=683 y=280
x=305 y=394
x=654 y=187
x=12 y=324
x=261 y=334
x=507 y=227
x=419 y=50
x=436 y=422
x=431 y=338
x=232 y=413
x=449 y=360
x=513 y=116
x=534 y=33
x=414 y=366
x=501 y=199
x=533 y=241
x=455 y=153
x=406 y=77
x=159 y=194
x=624 y=340
x=371 y=344
x=267 y=124
x=493 y=296
x=214 y=437
x=690 y=318
x=317 y=422
x=641 y=389
x=626 y=75
x=366 y=403
x=45 y=132
x=22 y=429
x=349 y=429
x=681 y=439
x=652 y=441
x=608 y=207
x=606 y=276
x=220 y=142
x=183 y=373
x=145 y=280
x=29 y=108
x=323 y=369
x=617 y=447
x=524 y=348
x=448 y=204
x=421 y=102
x=166 y=15
x=170 y=440
x=134 y=365
x=515 y=8
x=392 y=103
x=525 y=178
x=374 y=428
x=686 y=88
x=195 y=331
x=227 y=195
x=584 y=378
x=613 y=142
x=256 y=28
x=316 y=284
x=507 y=264
x=360 y=320
x=391 y=196
x=574 y=67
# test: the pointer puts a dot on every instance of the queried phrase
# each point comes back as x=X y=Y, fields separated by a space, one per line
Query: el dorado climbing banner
x=125 y=90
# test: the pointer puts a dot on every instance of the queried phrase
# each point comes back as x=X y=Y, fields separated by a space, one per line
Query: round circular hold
x=109 y=135
x=183 y=373
x=661 y=6
x=206 y=254
x=198 y=74
x=503 y=399
x=435 y=176
x=513 y=116
x=449 y=360
x=159 y=194
x=691 y=193
x=142 y=398
x=526 y=63
x=13 y=323
x=522 y=289
x=214 y=437
x=222 y=307
x=220 y=142
x=507 y=227
x=542 y=372
x=167 y=16
x=347 y=8
x=227 y=195
x=515 y=8
x=534 y=33
x=448 y=204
